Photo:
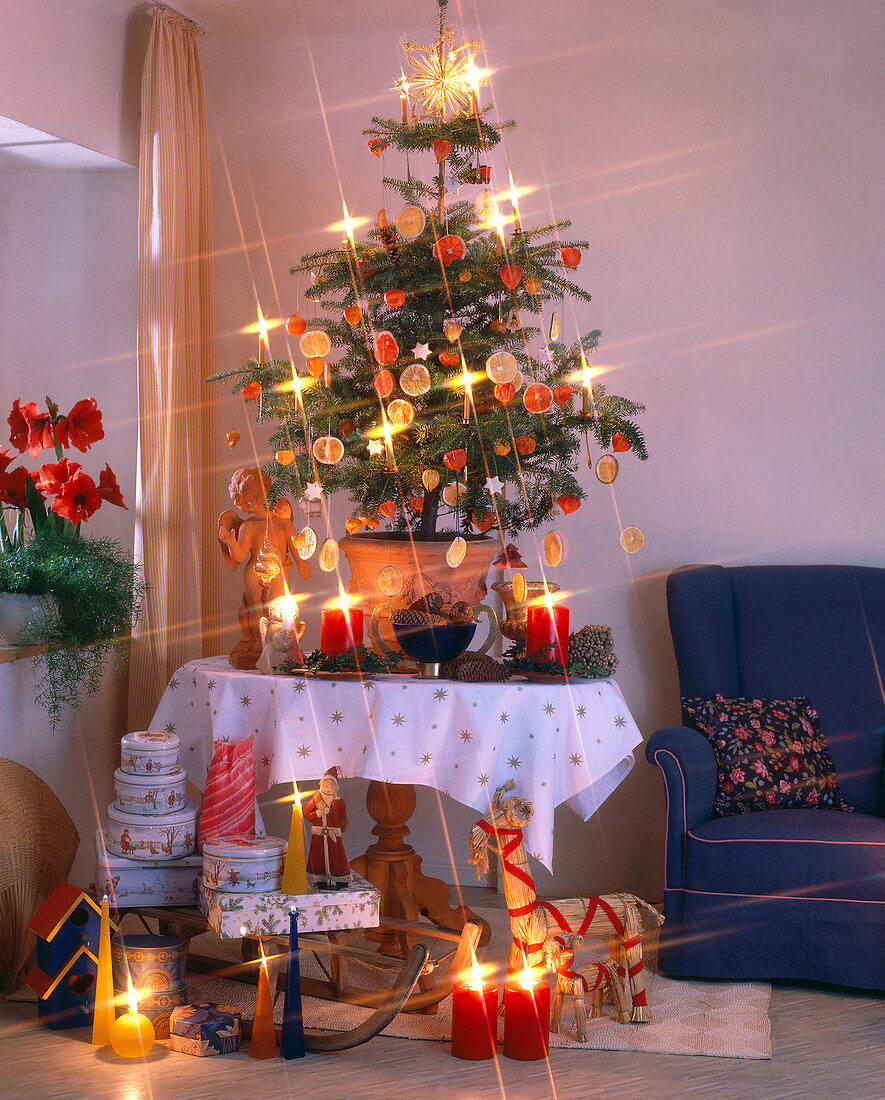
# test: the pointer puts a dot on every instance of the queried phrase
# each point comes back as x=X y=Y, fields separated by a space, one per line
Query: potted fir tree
x=438 y=394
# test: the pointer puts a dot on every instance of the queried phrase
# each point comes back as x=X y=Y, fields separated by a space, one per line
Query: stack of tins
x=146 y=854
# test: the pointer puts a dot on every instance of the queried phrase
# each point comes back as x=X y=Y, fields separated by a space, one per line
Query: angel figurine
x=280 y=643
x=265 y=541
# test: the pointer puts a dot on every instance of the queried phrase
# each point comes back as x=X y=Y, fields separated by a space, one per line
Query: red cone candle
x=474 y=1019
x=526 y=1018
x=547 y=624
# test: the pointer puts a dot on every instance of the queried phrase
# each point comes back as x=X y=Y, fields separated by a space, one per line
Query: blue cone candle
x=292 y=1033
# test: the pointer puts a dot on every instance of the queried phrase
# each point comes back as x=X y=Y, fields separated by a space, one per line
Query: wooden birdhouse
x=67 y=926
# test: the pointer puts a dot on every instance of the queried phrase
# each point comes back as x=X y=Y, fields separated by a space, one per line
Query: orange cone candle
x=264 y=1038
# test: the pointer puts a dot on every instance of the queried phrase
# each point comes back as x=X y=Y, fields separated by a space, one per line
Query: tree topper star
x=421 y=351
x=440 y=74
x=494 y=484
x=314 y=491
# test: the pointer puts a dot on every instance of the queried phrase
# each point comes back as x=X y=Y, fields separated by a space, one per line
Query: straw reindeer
x=597 y=978
x=535 y=924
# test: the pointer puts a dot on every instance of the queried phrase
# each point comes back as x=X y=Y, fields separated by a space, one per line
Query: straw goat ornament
x=535 y=924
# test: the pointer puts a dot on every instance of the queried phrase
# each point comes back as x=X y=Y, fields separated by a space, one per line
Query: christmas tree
x=438 y=394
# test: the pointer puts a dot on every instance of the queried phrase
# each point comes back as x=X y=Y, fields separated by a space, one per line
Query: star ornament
x=494 y=484
x=314 y=490
x=376 y=447
x=440 y=75
x=421 y=351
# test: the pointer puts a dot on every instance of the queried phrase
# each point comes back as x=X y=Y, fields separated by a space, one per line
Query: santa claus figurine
x=327 y=865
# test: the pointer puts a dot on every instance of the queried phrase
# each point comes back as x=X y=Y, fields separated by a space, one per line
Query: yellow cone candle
x=295 y=868
x=132 y=1036
x=103 y=1013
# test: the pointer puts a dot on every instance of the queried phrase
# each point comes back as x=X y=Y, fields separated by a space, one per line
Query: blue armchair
x=782 y=893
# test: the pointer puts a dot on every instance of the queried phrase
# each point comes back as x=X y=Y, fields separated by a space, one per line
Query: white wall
x=723 y=160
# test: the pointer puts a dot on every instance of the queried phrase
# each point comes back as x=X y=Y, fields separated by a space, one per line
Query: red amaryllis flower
x=82 y=426
x=52 y=475
x=109 y=490
x=6 y=459
x=12 y=487
x=78 y=498
x=19 y=421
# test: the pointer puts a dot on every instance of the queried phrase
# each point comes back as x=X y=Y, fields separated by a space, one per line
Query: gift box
x=204 y=1029
x=235 y=915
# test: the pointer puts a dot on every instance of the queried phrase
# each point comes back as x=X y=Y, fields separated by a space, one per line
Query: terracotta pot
x=423 y=567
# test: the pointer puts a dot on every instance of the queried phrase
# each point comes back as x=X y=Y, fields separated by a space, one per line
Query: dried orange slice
x=554 y=548
x=456 y=552
x=315 y=343
x=519 y=587
x=632 y=540
x=390 y=581
x=607 y=469
x=329 y=556
x=328 y=449
x=309 y=543
x=454 y=493
x=501 y=366
x=410 y=222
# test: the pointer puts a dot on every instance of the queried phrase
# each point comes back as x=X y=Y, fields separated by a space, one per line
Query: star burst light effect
x=442 y=76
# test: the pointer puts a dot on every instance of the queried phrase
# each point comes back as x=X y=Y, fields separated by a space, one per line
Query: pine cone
x=411 y=616
x=593 y=645
x=471 y=667
x=389 y=242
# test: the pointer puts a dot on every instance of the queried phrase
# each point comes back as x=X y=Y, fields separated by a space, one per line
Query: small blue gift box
x=204 y=1029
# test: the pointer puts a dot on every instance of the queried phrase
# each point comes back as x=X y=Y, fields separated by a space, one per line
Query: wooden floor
x=826 y=1044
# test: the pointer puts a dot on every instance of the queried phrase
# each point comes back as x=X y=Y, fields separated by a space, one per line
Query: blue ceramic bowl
x=434 y=644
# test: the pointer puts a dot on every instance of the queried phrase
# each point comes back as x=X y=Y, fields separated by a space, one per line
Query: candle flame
x=244 y=931
x=348 y=226
x=132 y=996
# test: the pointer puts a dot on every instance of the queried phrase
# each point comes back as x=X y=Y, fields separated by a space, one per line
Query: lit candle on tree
x=132 y=1035
x=499 y=233
x=468 y=389
x=585 y=386
x=262 y=337
x=517 y=225
x=404 y=99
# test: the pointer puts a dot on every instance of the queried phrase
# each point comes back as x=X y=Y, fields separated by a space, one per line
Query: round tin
x=154 y=963
x=161 y=837
x=244 y=864
x=149 y=752
x=149 y=794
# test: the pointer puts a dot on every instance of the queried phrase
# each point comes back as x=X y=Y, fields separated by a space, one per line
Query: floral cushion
x=770 y=754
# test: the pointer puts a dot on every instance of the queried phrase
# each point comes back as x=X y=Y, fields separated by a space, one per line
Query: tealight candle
x=526 y=1018
x=474 y=1019
x=341 y=630
x=132 y=1035
x=547 y=625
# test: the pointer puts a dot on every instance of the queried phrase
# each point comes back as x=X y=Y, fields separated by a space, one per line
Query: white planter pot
x=20 y=614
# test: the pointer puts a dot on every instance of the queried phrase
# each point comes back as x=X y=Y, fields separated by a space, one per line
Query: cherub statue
x=265 y=541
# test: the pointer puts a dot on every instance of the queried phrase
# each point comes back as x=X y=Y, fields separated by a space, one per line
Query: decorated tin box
x=233 y=916
x=149 y=753
x=154 y=963
x=244 y=864
x=161 y=837
x=205 y=1029
x=130 y=882
x=149 y=794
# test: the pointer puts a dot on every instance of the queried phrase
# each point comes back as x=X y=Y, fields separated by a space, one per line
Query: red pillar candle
x=341 y=630
x=546 y=624
x=474 y=1019
x=526 y=1019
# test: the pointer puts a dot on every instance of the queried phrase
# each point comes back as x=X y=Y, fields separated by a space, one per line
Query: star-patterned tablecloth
x=560 y=742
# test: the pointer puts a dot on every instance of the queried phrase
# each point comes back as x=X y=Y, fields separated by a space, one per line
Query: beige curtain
x=176 y=520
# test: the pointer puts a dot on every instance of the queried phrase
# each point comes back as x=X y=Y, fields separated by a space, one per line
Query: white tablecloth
x=560 y=742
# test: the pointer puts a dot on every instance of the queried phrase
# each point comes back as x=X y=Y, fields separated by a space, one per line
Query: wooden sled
x=421 y=982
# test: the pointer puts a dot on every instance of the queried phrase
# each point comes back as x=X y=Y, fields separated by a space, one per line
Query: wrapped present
x=205 y=1029
x=267 y=914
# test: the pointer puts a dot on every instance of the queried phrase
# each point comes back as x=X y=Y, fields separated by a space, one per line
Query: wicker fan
x=36 y=854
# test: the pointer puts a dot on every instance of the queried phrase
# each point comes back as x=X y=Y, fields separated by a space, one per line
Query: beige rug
x=716 y=1019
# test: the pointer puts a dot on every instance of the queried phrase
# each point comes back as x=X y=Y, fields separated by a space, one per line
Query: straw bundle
x=37 y=852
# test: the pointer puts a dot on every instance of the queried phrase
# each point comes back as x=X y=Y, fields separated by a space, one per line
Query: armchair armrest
x=688 y=762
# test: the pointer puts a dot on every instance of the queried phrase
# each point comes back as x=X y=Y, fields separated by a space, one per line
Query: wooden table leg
x=394 y=868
